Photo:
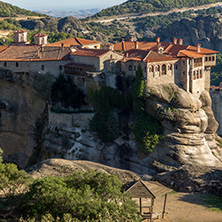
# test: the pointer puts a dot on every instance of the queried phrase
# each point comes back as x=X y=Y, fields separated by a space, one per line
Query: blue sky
x=63 y=4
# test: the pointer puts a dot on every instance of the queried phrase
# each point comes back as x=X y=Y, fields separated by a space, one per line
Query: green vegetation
x=216 y=73
x=43 y=84
x=213 y=202
x=1 y=152
x=12 y=180
x=148 y=131
x=8 y=10
x=66 y=92
x=147 y=6
x=89 y=196
x=106 y=102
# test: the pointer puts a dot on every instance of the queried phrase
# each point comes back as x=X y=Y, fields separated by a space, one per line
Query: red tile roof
x=146 y=56
x=33 y=52
x=74 y=42
x=40 y=35
x=171 y=49
x=90 y=52
x=20 y=31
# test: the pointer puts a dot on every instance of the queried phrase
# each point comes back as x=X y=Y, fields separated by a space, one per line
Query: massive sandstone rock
x=189 y=124
x=20 y=110
x=205 y=30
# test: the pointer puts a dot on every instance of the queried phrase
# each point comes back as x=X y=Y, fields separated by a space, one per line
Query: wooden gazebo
x=148 y=190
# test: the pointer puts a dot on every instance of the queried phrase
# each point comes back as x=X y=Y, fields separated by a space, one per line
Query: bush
x=43 y=84
x=106 y=102
x=65 y=91
x=86 y=197
x=1 y=152
x=12 y=181
x=148 y=131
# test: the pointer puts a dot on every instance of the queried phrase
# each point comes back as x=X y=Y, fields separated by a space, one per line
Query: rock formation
x=20 y=109
x=205 y=30
x=189 y=125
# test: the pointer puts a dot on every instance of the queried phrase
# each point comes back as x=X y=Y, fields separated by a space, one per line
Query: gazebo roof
x=147 y=189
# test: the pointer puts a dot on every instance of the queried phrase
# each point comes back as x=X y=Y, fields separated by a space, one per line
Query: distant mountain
x=74 y=13
x=9 y=10
x=147 y=6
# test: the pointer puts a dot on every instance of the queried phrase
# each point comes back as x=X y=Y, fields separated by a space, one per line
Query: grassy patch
x=213 y=202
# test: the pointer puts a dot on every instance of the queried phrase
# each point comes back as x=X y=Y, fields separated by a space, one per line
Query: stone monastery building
x=187 y=66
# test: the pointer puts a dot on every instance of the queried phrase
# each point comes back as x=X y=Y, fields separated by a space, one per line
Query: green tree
x=65 y=91
x=148 y=131
x=12 y=181
x=106 y=101
x=84 y=196
x=1 y=152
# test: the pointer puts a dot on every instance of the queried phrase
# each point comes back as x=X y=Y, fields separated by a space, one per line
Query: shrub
x=106 y=102
x=12 y=180
x=148 y=131
x=65 y=91
x=83 y=196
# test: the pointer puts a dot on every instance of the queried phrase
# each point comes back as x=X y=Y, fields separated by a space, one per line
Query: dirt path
x=187 y=207
x=133 y=16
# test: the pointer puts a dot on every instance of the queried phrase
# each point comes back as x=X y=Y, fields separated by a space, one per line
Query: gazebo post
x=140 y=206
x=151 y=210
x=164 y=206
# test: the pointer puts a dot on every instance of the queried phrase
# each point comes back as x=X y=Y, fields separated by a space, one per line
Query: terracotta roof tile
x=40 y=35
x=32 y=52
x=74 y=42
x=146 y=56
x=20 y=31
x=90 y=52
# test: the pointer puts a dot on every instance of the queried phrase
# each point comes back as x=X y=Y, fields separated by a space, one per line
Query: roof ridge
x=147 y=55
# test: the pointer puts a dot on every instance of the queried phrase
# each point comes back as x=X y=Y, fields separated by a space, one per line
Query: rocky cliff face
x=20 y=109
x=205 y=30
x=189 y=125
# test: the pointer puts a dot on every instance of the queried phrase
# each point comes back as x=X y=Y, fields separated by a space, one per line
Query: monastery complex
x=187 y=66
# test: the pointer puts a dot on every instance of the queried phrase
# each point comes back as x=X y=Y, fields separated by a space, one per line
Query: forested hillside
x=8 y=10
x=146 y=6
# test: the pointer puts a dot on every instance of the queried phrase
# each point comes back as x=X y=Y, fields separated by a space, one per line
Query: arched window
x=201 y=74
x=194 y=75
x=42 y=67
x=16 y=64
x=60 y=67
x=198 y=74
x=130 y=68
x=151 y=69
x=170 y=67
x=206 y=59
x=213 y=58
x=209 y=58
x=164 y=70
x=5 y=64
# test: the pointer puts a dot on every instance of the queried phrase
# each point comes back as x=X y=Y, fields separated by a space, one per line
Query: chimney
x=136 y=44
x=157 y=39
x=198 y=47
x=127 y=55
x=180 y=41
x=122 y=40
x=131 y=38
x=175 y=41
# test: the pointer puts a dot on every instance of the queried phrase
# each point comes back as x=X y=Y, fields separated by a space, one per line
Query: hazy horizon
x=63 y=5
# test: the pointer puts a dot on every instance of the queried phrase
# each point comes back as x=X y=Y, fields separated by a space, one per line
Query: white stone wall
x=52 y=67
